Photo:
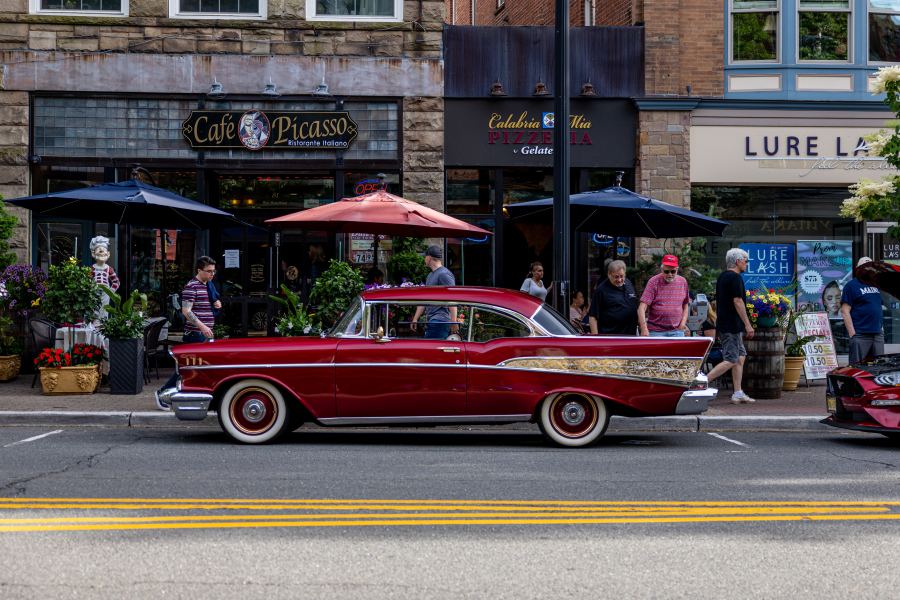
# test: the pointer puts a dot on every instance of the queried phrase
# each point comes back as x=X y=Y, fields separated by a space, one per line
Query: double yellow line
x=207 y=513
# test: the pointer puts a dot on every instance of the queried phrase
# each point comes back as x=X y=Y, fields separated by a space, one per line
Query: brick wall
x=524 y=12
x=684 y=45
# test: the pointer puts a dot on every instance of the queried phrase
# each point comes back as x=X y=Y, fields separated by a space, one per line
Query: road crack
x=863 y=460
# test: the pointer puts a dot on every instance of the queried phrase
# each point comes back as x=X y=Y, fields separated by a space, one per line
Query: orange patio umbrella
x=380 y=213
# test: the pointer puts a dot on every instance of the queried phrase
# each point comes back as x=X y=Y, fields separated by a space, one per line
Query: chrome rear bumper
x=696 y=400
x=187 y=406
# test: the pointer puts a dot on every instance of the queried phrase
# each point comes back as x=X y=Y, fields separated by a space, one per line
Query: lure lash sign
x=276 y=130
x=791 y=155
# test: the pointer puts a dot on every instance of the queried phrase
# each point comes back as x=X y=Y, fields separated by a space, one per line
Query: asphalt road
x=183 y=513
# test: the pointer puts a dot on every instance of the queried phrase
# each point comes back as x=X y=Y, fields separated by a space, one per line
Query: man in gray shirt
x=440 y=320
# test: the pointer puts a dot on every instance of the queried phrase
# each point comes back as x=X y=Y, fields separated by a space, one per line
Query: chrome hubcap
x=254 y=411
x=573 y=413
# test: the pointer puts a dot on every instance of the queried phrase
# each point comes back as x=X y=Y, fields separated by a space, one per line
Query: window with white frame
x=354 y=10
x=501 y=4
x=823 y=30
x=884 y=30
x=218 y=9
x=112 y=8
x=754 y=30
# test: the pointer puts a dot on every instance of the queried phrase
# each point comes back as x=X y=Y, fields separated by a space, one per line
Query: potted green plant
x=296 y=319
x=794 y=352
x=72 y=297
x=123 y=326
x=335 y=289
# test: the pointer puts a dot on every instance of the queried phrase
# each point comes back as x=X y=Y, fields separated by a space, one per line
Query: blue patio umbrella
x=126 y=202
x=616 y=211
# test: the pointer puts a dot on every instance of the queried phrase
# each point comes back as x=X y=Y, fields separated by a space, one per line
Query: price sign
x=820 y=354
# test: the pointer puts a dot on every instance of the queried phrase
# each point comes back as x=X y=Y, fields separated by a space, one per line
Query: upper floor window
x=754 y=30
x=824 y=30
x=354 y=10
x=884 y=30
x=218 y=9
x=112 y=8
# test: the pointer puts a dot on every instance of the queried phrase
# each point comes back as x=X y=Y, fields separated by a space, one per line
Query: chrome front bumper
x=696 y=400
x=187 y=406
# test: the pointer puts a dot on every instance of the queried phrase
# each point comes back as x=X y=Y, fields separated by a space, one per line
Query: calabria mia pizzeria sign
x=276 y=130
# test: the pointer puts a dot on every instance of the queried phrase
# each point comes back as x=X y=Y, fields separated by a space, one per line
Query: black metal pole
x=561 y=233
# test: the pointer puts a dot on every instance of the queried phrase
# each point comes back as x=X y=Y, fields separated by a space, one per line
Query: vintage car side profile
x=866 y=396
x=513 y=359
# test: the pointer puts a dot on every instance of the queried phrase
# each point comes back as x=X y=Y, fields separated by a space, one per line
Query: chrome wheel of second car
x=253 y=411
x=573 y=419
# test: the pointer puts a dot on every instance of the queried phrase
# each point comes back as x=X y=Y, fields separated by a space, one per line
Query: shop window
x=358 y=183
x=287 y=192
x=824 y=30
x=470 y=191
x=754 y=30
x=100 y=8
x=471 y=259
x=354 y=10
x=884 y=30
x=218 y=9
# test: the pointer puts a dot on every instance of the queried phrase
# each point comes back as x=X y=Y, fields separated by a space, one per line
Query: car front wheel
x=253 y=411
x=573 y=420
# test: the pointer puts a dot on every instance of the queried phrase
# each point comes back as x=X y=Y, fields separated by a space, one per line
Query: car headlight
x=888 y=379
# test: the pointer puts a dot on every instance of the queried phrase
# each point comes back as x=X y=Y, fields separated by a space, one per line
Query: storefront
x=779 y=177
x=500 y=152
x=254 y=158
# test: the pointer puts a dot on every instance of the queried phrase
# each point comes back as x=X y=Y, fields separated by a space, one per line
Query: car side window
x=488 y=325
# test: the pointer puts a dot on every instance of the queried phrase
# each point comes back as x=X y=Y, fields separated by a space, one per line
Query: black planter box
x=126 y=366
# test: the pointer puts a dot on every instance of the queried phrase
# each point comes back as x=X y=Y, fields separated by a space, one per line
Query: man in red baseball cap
x=663 y=310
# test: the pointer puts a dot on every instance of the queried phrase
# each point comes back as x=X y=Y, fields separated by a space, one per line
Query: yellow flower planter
x=70 y=380
x=10 y=366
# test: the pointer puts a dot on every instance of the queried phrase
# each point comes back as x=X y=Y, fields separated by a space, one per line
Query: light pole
x=561 y=233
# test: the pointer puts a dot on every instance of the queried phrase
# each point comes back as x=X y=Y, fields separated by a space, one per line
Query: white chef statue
x=103 y=273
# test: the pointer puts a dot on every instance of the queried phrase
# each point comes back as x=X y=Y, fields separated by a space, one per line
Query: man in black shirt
x=614 y=304
x=733 y=324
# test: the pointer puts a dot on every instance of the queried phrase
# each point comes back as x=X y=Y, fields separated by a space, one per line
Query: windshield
x=547 y=317
x=351 y=322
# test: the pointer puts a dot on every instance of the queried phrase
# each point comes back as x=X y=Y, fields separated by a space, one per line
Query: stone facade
x=149 y=52
x=663 y=169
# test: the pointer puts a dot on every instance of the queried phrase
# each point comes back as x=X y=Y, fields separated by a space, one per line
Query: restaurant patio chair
x=152 y=332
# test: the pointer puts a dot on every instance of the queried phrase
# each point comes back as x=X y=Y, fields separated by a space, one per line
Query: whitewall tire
x=253 y=411
x=573 y=419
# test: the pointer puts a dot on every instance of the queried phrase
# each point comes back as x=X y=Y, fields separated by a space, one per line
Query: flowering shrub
x=72 y=295
x=81 y=355
x=880 y=200
x=296 y=319
x=762 y=304
x=23 y=287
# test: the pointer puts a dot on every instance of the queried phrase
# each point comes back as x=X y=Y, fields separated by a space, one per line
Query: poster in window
x=770 y=266
x=823 y=268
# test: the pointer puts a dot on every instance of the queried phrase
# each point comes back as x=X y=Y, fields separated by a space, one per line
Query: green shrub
x=124 y=318
x=72 y=294
x=335 y=289
x=295 y=320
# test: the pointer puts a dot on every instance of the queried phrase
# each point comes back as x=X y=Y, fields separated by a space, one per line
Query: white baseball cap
x=864 y=260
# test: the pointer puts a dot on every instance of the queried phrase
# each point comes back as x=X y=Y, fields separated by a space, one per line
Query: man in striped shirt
x=663 y=310
x=195 y=305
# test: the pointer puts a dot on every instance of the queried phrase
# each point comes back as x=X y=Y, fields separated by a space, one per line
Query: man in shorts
x=732 y=323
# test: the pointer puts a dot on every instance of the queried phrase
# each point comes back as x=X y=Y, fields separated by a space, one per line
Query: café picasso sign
x=276 y=130
x=726 y=154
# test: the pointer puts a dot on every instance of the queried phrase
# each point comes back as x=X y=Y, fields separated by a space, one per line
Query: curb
x=684 y=423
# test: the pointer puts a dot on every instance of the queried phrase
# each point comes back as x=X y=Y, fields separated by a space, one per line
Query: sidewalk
x=20 y=404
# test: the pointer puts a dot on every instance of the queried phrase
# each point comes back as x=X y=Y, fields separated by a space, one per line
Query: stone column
x=14 y=165
x=664 y=170
x=423 y=151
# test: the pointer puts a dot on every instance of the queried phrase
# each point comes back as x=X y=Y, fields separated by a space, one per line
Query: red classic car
x=513 y=359
x=866 y=396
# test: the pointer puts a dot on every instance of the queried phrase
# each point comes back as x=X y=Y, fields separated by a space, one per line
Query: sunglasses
x=670 y=271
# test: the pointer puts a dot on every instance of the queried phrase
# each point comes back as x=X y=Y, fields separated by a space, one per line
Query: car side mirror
x=378 y=336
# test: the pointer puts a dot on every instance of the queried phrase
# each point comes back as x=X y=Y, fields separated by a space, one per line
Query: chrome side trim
x=671 y=370
x=258 y=366
x=433 y=419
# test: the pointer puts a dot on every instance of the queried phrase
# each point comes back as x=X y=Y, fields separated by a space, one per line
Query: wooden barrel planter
x=764 y=368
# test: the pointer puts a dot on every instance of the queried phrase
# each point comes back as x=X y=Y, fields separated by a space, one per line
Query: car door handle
x=448 y=348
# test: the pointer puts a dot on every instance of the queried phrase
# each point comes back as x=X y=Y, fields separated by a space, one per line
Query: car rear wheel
x=573 y=419
x=253 y=411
